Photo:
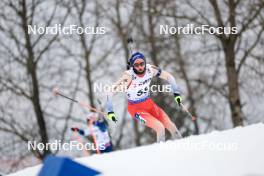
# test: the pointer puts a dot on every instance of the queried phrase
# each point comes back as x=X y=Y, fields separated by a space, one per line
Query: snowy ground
x=236 y=152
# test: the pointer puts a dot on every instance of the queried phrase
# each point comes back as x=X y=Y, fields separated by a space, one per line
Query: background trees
x=221 y=75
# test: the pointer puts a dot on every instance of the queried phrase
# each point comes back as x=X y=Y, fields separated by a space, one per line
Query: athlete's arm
x=118 y=86
x=86 y=132
x=80 y=131
x=122 y=83
x=167 y=76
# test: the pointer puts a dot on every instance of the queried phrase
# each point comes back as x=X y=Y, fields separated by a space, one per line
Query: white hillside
x=235 y=152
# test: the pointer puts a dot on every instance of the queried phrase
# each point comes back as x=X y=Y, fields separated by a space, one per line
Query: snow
x=235 y=152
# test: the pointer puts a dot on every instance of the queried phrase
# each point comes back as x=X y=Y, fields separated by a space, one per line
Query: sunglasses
x=139 y=64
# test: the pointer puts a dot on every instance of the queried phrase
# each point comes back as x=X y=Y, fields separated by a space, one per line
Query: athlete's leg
x=155 y=124
x=150 y=121
x=164 y=118
x=175 y=134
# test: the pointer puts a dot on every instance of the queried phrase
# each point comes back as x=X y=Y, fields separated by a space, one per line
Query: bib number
x=142 y=91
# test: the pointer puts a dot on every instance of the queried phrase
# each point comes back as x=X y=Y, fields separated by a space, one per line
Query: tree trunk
x=151 y=38
x=89 y=80
x=233 y=85
x=187 y=82
x=31 y=68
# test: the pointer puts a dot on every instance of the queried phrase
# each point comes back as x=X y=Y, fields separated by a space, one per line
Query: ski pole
x=56 y=92
x=130 y=47
x=187 y=111
x=130 y=44
x=90 y=126
x=79 y=140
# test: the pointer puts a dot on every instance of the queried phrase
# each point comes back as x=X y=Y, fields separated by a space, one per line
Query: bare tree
x=23 y=60
x=227 y=15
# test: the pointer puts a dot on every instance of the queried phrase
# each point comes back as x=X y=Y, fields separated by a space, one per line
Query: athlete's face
x=139 y=65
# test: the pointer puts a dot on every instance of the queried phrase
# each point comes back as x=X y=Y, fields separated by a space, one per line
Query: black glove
x=75 y=129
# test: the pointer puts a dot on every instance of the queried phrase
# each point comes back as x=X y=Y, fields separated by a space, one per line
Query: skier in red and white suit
x=136 y=83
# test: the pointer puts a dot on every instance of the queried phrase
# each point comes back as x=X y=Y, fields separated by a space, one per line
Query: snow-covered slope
x=235 y=152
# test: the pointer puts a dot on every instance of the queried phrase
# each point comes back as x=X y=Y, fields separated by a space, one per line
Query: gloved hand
x=178 y=98
x=75 y=129
x=111 y=116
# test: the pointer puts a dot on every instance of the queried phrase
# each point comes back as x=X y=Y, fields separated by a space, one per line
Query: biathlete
x=97 y=128
x=136 y=82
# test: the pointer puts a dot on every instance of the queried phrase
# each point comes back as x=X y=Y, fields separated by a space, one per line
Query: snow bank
x=235 y=152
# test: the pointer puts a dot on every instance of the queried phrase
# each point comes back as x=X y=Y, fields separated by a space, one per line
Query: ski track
x=245 y=159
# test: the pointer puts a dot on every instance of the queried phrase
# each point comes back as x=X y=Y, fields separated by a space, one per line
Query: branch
x=248 y=51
